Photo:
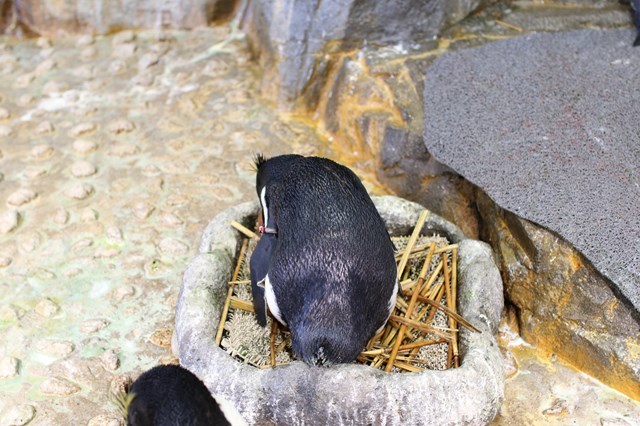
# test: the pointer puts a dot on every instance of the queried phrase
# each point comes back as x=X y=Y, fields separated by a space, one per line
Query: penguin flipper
x=259 y=303
x=259 y=267
x=637 y=42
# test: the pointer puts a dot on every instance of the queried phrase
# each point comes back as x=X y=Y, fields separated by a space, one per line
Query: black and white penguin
x=324 y=265
x=169 y=395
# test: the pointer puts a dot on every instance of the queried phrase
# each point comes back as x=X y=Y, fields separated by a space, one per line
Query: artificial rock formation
x=292 y=36
x=546 y=126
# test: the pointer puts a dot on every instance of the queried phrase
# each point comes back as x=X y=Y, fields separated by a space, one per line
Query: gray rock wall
x=291 y=35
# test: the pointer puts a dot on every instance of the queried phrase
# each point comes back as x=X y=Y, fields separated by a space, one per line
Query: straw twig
x=223 y=319
x=243 y=229
x=412 y=241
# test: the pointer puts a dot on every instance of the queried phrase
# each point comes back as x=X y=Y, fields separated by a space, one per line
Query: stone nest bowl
x=347 y=394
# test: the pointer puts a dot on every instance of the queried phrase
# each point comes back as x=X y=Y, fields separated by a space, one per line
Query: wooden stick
x=244 y=230
x=412 y=241
x=451 y=349
x=272 y=341
x=508 y=25
x=454 y=293
x=449 y=312
x=420 y=250
x=405 y=347
x=419 y=326
x=223 y=319
x=412 y=304
x=237 y=303
x=227 y=303
x=239 y=282
x=243 y=251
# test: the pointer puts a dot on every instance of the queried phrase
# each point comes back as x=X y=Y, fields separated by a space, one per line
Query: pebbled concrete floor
x=115 y=153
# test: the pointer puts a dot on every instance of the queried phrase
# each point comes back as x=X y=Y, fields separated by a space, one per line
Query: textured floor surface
x=116 y=152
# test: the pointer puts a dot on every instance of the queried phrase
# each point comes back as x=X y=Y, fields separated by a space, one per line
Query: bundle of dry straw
x=422 y=332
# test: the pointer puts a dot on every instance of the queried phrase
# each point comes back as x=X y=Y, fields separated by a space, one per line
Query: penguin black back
x=332 y=274
x=169 y=395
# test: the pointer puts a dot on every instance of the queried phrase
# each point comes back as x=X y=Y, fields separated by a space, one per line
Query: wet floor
x=115 y=153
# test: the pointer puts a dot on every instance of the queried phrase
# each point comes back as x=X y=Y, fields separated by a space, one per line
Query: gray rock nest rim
x=349 y=393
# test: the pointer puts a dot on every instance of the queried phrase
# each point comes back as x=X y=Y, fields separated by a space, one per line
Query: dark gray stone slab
x=549 y=126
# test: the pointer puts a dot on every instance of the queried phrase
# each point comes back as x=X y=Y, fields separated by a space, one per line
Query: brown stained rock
x=84 y=146
x=144 y=79
x=45 y=66
x=81 y=129
x=5 y=261
x=21 y=196
x=143 y=210
x=121 y=125
x=117 y=66
x=81 y=169
x=106 y=252
x=558 y=407
x=44 y=127
x=30 y=242
x=47 y=308
x=54 y=87
x=85 y=72
x=172 y=247
x=43 y=42
x=9 y=221
x=171 y=219
x=123 y=150
x=88 y=215
x=148 y=60
x=84 y=40
x=82 y=244
x=42 y=151
x=104 y=420
x=93 y=325
x=58 y=386
x=9 y=367
x=161 y=337
x=61 y=216
x=565 y=306
x=110 y=360
x=120 y=384
x=114 y=234
x=79 y=191
x=18 y=415
x=25 y=100
x=56 y=348
x=88 y=52
x=5 y=130
x=23 y=81
x=4 y=114
x=123 y=292
x=124 y=50
x=127 y=36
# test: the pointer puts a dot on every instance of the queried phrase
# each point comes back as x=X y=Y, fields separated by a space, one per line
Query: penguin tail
x=258 y=160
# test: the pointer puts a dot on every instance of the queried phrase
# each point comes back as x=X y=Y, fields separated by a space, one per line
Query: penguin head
x=171 y=395
x=319 y=339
